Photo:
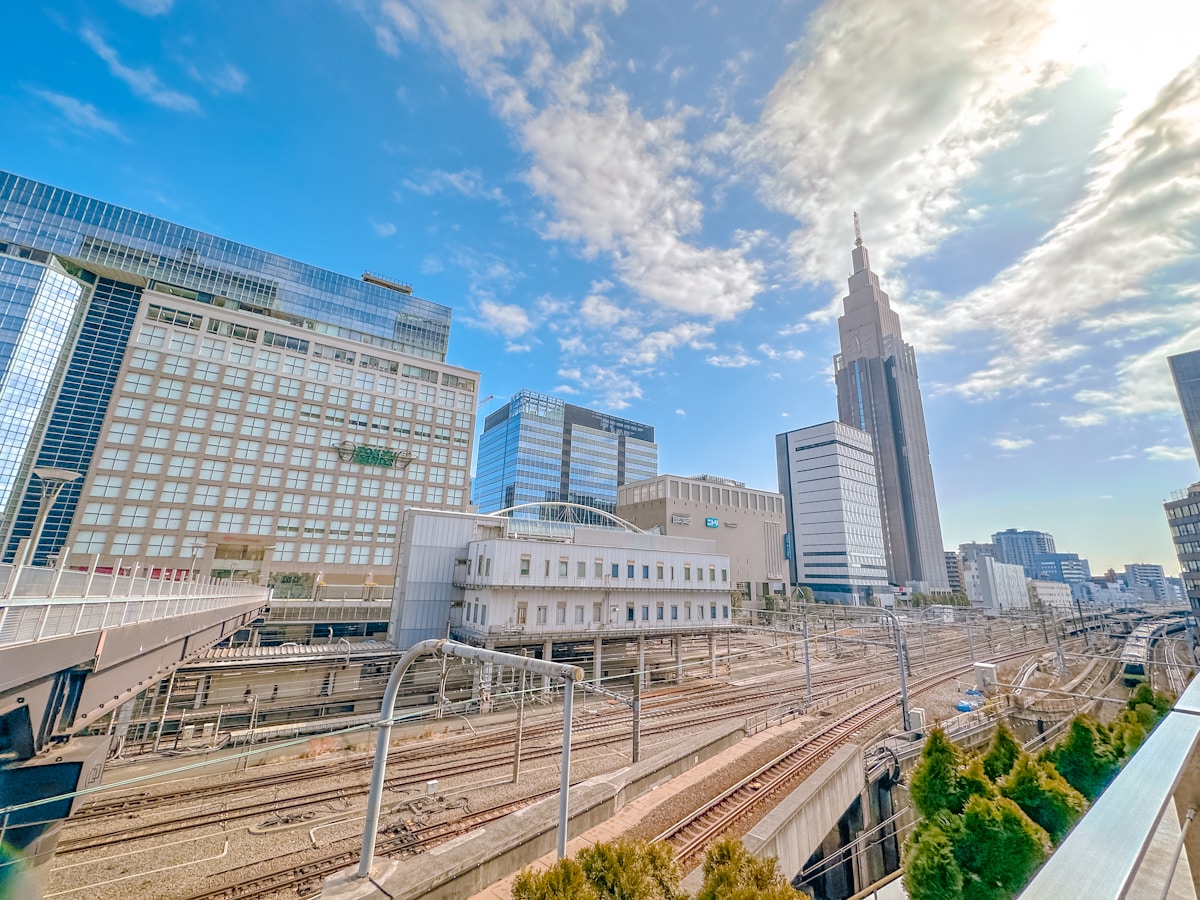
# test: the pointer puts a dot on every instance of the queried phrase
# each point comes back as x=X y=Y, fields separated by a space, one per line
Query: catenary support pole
x=564 y=788
x=570 y=674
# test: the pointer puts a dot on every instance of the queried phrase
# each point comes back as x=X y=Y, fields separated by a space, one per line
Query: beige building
x=746 y=525
x=246 y=447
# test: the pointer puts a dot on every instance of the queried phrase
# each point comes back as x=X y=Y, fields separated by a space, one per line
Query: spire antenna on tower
x=857 y=232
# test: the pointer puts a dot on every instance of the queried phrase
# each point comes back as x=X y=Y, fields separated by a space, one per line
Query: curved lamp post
x=51 y=481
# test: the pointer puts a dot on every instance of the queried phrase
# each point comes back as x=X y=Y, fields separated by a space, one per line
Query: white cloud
x=616 y=182
x=649 y=348
x=143 y=82
x=383 y=229
x=737 y=360
x=791 y=355
x=80 y=114
x=1133 y=221
x=1169 y=454
x=600 y=312
x=514 y=347
x=1012 y=443
x=431 y=265
x=1084 y=419
x=614 y=389
x=889 y=108
x=149 y=7
x=564 y=389
x=681 y=412
x=468 y=182
x=509 y=320
x=794 y=329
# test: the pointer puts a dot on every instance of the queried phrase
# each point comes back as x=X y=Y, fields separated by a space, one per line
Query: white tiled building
x=496 y=579
x=251 y=448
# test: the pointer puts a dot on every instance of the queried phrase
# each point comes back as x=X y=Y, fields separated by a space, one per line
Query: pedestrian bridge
x=77 y=645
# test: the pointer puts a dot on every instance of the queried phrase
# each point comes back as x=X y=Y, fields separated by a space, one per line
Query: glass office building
x=1185 y=369
x=168 y=365
x=540 y=449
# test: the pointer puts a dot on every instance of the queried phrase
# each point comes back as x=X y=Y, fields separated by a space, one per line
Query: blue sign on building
x=712 y=523
x=787 y=546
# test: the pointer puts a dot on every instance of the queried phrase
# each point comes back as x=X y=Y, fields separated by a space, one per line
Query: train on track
x=1139 y=647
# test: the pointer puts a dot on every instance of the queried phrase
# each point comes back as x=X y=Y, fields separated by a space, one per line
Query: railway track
x=780 y=776
x=297 y=877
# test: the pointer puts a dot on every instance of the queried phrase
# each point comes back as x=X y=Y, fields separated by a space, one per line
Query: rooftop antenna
x=857 y=233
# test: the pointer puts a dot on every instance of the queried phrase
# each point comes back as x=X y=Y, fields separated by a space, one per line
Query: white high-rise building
x=831 y=496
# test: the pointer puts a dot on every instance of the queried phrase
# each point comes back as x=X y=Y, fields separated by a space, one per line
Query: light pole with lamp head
x=51 y=482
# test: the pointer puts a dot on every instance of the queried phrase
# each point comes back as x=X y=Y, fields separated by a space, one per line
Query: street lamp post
x=51 y=482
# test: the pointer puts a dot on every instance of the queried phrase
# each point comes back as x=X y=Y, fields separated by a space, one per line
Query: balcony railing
x=1129 y=842
x=38 y=603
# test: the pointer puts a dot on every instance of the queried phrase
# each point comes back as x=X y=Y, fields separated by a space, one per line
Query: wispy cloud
x=144 y=82
x=383 y=229
x=80 y=114
x=468 y=182
x=224 y=79
x=1168 y=454
x=737 y=360
x=149 y=7
x=1012 y=443
x=789 y=354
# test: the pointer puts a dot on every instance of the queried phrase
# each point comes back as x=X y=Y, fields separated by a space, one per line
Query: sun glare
x=1140 y=45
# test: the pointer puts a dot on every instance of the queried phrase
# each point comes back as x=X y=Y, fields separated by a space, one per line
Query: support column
x=547 y=656
x=712 y=655
x=597 y=664
x=678 y=658
x=641 y=663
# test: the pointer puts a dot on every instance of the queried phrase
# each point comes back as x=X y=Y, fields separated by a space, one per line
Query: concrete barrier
x=793 y=830
x=469 y=863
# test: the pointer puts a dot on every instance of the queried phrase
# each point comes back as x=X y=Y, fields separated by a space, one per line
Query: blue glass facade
x=73 y=427
x=38 y=309
x=204 y=267
x=72 y=273
x=540 y=448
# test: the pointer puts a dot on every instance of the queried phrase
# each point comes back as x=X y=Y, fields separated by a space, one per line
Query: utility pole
x=520 y=728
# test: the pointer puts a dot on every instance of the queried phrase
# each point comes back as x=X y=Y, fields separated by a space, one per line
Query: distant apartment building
x=954 y=571
x=974 y=551
x=1022 y=548
x=230 y=411
x=746 y=525
x=540 y=449
x=1065 y=567
x=1185 y=369
x=827 y=477
x=1048 y=594
x=1147 y=580
x=1183 y=518
x=995 y=587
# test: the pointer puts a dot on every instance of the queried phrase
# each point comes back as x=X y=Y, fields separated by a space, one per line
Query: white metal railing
x=1151 y=802
x=38 y=603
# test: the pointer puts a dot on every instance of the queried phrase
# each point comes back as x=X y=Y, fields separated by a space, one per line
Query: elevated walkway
x=75 y=646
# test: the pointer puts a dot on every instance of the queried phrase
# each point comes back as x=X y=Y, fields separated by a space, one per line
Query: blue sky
x=646 y=208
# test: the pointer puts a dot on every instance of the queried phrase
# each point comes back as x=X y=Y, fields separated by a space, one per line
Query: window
x=129 y=408
x=724 y=575
x=122 y=433
x=563 y=565
x=206 y=495
x=126 y=544
x=578 y=615
x=181 y=467
x=645 y=614
x=660 y=571
x=541 y=615
x=201 y=396
x=658 y=613
x=674 y=613
x=699 y=573
x=142 y=488
x=560 y=614
x=724 y=612
x=616 y=570
x=116 y=460
x=231 y=523
x=148 y=463
x=581 y=569
x=212 y=470
x=687 y=573
x=629 y=614
x=547 y=573
x=163 y=413
x=629 y=570
x=168 y=519
x=599 y=568
x=98 y=514
x=712 y=611
x=712 y=573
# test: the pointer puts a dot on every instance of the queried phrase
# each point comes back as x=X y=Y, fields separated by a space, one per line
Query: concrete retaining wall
x=795 y=828
x=468 y=864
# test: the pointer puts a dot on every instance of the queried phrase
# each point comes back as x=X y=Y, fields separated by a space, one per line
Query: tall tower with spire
x=877 y=391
